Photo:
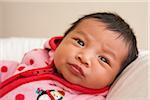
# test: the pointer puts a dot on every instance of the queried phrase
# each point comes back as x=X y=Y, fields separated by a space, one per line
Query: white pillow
x=132 y=84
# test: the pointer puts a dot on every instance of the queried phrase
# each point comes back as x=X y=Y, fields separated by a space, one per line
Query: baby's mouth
x=77 y=70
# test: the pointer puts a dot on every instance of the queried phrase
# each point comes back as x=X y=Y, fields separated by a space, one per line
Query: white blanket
x=14 y=48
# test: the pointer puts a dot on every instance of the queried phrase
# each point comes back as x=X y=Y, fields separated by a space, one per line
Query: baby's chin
x=78 y=81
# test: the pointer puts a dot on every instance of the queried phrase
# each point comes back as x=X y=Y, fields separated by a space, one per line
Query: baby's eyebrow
x=86 y=35
x=110 y=51
x=80 y=32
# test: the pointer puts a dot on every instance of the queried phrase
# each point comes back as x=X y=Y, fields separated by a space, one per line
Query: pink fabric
x=42 y=89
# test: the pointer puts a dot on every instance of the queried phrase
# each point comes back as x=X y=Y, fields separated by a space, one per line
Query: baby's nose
x=84 y=58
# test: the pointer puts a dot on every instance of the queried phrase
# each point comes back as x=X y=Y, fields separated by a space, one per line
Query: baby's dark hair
x=114 y=23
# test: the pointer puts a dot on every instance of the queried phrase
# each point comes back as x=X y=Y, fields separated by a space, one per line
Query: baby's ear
x=53 y=42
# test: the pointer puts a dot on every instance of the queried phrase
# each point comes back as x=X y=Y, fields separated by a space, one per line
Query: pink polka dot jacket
x=36 y=78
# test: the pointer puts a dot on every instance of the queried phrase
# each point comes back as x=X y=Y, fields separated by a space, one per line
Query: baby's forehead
x=86 y=25
x=98 y=38
x=90 y=21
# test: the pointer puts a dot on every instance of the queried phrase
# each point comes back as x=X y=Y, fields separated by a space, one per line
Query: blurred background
x=46 y=18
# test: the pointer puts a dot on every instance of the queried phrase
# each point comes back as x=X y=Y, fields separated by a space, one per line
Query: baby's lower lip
x=74 y=70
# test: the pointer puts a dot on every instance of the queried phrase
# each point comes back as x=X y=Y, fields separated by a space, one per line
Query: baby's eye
x=80 y=42
x=105 y=60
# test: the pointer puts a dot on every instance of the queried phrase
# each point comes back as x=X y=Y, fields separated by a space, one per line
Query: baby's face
x=90 y=55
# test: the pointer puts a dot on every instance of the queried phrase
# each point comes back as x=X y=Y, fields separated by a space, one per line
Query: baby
x=80 y=65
